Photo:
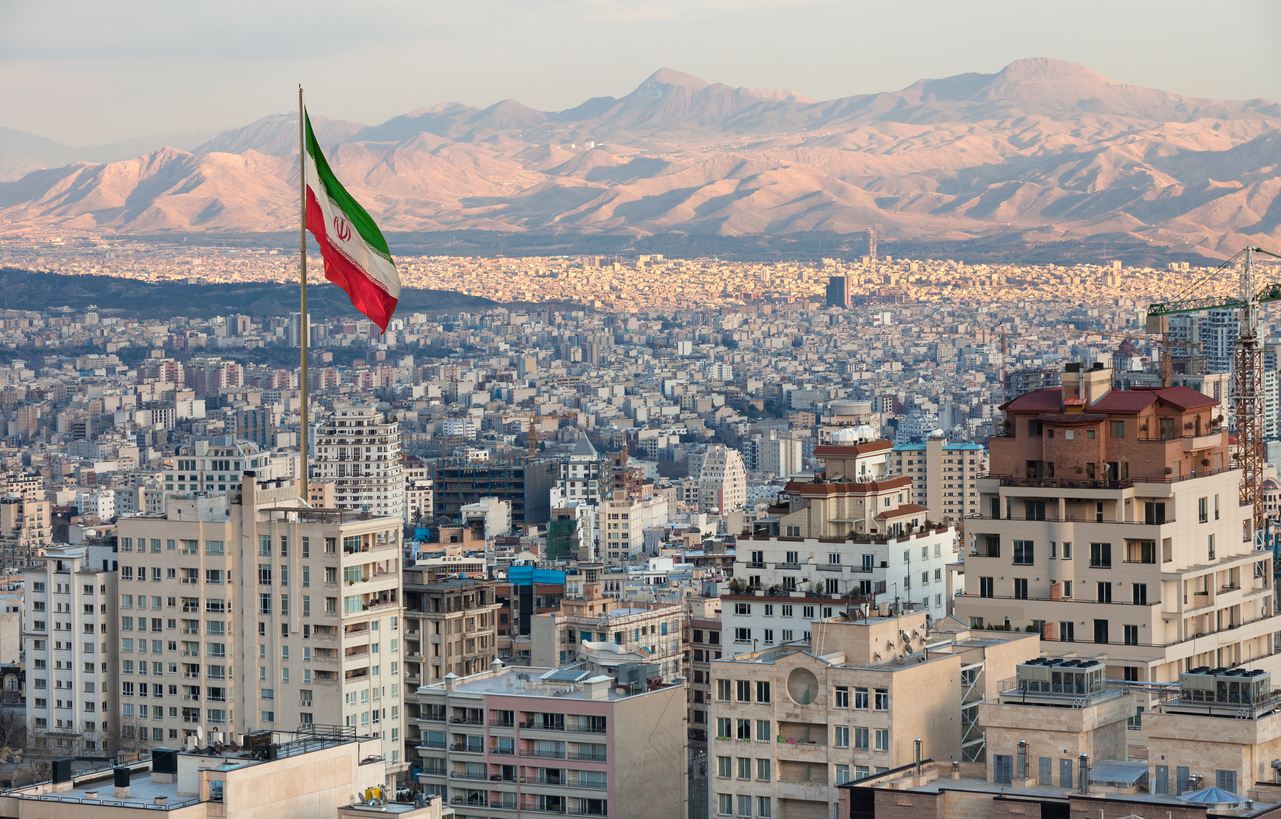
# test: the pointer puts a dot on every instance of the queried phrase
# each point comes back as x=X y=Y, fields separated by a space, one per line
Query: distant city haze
x=91 y=73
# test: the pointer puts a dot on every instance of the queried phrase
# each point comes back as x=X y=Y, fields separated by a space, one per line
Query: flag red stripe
x=366 y=295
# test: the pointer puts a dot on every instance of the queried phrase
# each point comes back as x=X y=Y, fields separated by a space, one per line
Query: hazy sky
x=102 y=70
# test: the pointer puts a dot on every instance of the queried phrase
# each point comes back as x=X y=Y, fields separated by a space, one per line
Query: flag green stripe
x=359 y=217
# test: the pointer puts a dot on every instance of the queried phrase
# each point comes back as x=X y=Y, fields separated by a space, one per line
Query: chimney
x=1022 y=763
x=956 y=769
x=1085 y=773
x=917 y=755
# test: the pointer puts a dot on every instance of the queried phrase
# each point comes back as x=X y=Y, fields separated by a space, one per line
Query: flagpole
x=305 y=330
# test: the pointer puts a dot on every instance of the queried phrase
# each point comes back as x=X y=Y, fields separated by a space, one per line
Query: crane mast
x=1247 y=393
x=1247 y=371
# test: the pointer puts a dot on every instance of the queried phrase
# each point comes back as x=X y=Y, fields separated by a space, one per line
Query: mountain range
x=1042 y=151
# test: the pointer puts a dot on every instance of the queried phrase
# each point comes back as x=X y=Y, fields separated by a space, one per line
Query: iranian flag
x=355 y=252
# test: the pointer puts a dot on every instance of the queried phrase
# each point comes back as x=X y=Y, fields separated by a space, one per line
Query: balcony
x=466 y=720
x=585 y=756
x=480 y=777
x=467 y=748
x=544 y=754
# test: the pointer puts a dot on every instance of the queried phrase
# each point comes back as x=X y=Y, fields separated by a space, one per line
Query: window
x=985 y=587
x=1117 y=429
x=762 y=691
x=882 y=699
x=763 y=770
x=1020 y=588
x=1023 y=553
x=1101 y=631
x=1131 y=635
x=744 y=768
x=1140 y=592
x=841 y=698
x=743 y=608
x=1105 y=592
x=725 y=804
x=742 y=635
x=860 y=699
x=763 y=732
x=882 y=737
x=1203 y=510
x=860 y=738
x=724 y=728
x=1067 y=631
x=743 y=690
x=213 y=547
x=744 y=805
x=744 y=729
x=1210 y=546
x=722 y=690
x=1100 y=555
x=724 y=767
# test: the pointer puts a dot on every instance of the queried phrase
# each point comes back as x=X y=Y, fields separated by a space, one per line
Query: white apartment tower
x=722 y=484
x=360 y=452
x=253 y=611
x=70 y=644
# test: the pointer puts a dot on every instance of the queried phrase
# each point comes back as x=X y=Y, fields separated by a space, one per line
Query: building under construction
x=522 y=481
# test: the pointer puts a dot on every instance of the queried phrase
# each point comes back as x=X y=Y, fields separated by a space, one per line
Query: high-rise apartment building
x=944 y=476
x=622 y=520
x=360 y=452
x=252 y=611
x=451 y=627
x=530 y=742
x=722 y=482
x=838 y=291
x=1112 y=523
x=25 y=530
x=71 y=652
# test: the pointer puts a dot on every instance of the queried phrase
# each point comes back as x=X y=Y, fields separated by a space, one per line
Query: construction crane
x=1247 y=364
x=533 y=426
x=1167 y=368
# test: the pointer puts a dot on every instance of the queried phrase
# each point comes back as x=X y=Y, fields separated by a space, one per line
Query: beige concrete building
x=1058 y=746
x=1055 y=711
x=25 y=530
x=653 y=631
x=73 y=693
x=255 y=611
x=790 y=724
x=451 y=627
x=303 y=776
x=1111 y=524
x=531 y=741
x=1223 y=728
x=944 y=476
x=722 y=482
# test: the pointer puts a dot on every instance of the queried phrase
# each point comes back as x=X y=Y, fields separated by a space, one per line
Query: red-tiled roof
x=1186 y=398
x=901 y=511
x=1125 y=401
x=1050 y=400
